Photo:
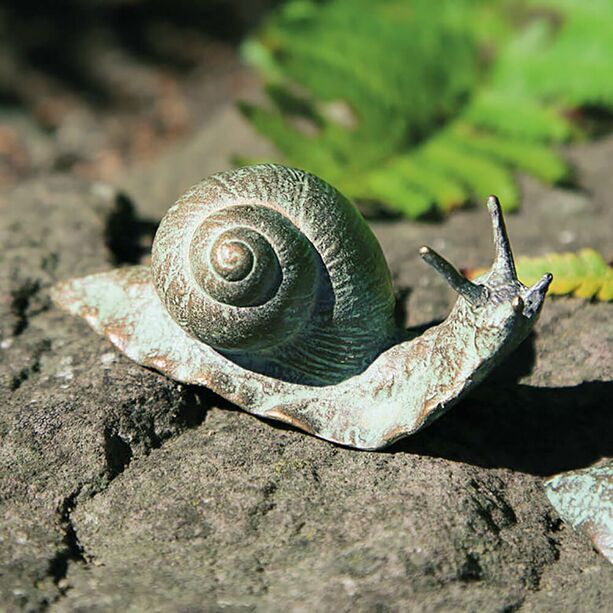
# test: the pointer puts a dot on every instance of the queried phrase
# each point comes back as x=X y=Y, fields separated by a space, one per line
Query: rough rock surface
x=121 y=490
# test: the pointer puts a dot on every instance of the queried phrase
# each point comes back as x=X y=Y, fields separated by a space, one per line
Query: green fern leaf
x=399 y=193
x=584 y=274
x=294 y=143
x=422 y=183
x=424 y=110
x=518 y=116
x=480 y=174
x=534 y=158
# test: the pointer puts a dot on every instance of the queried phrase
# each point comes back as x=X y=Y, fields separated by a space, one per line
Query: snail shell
x=277 y=270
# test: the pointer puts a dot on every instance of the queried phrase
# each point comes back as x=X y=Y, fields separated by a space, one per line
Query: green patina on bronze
x=584 y=499
x=268 y=287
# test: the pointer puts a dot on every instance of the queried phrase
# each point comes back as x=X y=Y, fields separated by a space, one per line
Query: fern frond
x=584 y=274
x=385 y=185
x=295 y=144
x=411 y=182
x=427 y=122
x=479 y=173
x=519 y=117
x=536 y=159
x=583 y=47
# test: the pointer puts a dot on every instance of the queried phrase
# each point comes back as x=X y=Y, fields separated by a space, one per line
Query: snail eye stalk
x=475 y=294
x=504 y=265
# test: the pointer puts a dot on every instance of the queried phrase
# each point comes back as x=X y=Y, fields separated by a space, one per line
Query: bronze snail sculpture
x=267 y=286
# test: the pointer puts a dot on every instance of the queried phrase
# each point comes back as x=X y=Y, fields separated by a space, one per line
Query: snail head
x=498 y=296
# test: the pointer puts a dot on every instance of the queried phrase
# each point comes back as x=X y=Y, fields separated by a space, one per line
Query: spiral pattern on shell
x=275 y=269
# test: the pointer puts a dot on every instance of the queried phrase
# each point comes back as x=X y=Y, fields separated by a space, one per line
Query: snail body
x=584 y=499
x=268 y=287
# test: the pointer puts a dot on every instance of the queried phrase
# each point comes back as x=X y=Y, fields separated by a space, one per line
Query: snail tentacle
x=504 y=264
x=475 y=294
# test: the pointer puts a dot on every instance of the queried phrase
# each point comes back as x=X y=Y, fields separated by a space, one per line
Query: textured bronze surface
x=584 y=499
x=315 y=347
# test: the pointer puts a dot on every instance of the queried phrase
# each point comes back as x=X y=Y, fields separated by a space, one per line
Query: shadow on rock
x=127 y=236
x=535 y=430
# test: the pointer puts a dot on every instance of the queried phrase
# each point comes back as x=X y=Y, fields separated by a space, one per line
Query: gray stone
x=74 y=414
x=121 y=490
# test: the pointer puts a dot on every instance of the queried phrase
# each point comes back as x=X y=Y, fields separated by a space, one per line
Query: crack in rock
x=71 y=551
x=33 y=367
x=119 y=455
x=21 y=299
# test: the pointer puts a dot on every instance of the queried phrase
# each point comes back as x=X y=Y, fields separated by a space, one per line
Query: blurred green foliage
x=423 y=105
